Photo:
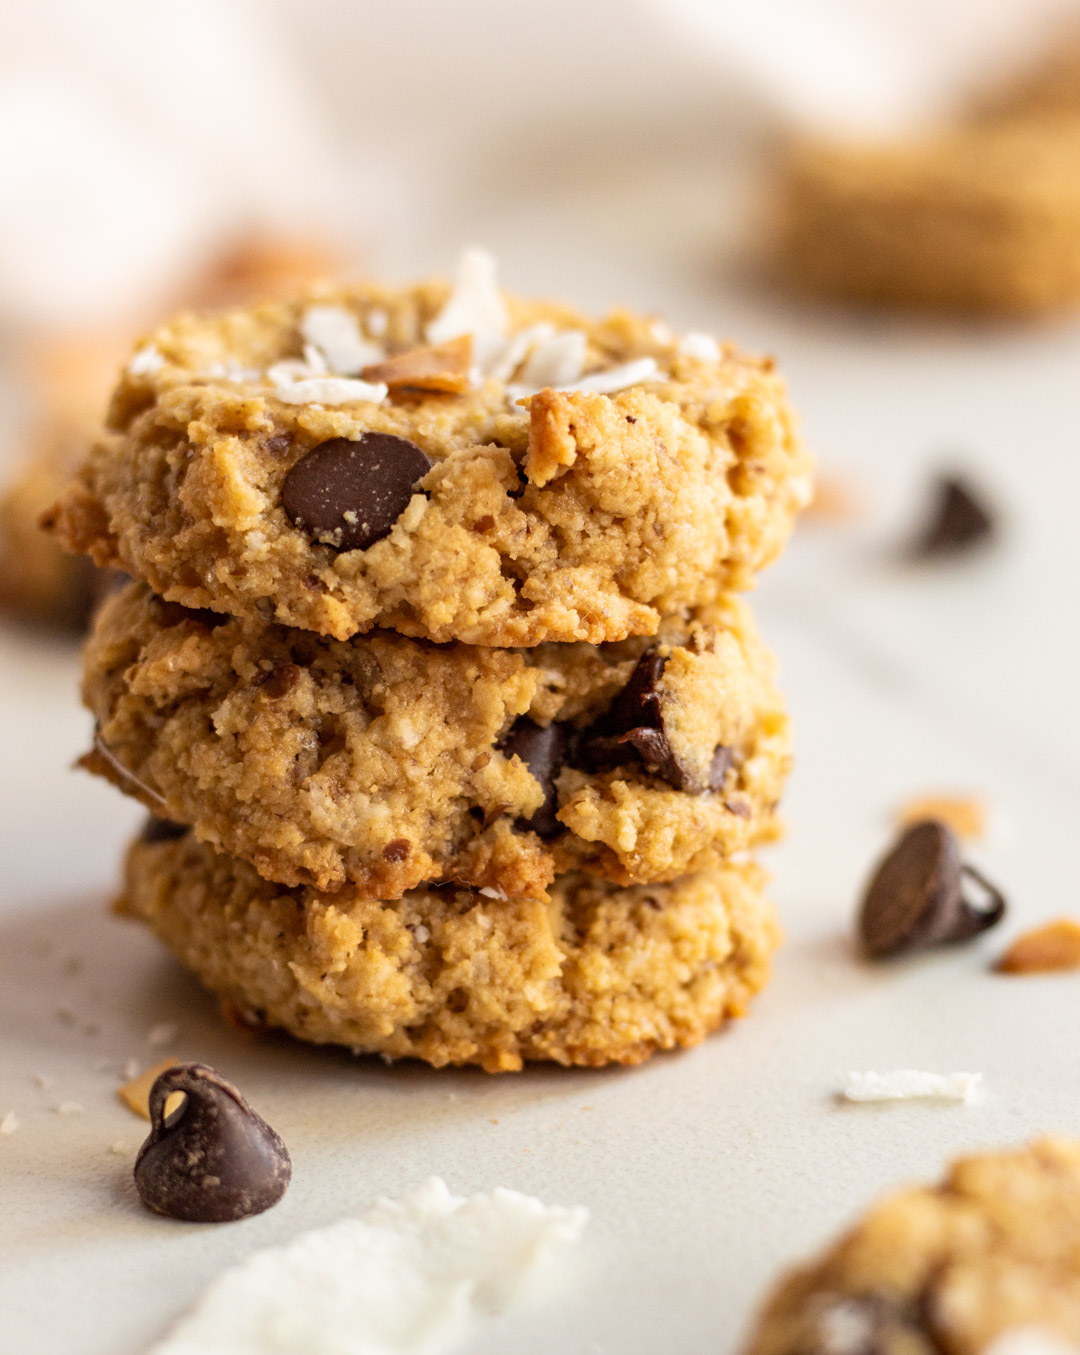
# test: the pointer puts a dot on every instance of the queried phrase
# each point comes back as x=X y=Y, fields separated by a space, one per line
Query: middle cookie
x=386 y=762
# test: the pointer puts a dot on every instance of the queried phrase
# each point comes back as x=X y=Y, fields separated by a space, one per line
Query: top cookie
x=994 y=1248
x=449 y=463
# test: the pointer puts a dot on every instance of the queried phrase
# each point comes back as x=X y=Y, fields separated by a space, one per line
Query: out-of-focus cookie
x=360 y=458
x=598 y=973
x=952 y=1267
x=385 y=761
x=979 y=218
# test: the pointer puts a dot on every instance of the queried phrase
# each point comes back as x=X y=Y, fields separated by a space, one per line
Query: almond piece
x=444 y=367
x=1055 y=945
x=964 y=814
x=136 y=1093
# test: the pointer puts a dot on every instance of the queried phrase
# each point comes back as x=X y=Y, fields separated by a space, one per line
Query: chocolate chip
x=281 y=442
x=398 y=850
x=634 y=728
x=162 y=830
x=280 y=681
x=212 y=1159
x=959 y=520
x=916 y=897
x=543 y=751
x=349 y=494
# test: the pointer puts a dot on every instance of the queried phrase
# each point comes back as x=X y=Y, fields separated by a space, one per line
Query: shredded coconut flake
x=556 y=361
x=229 y=371
x=474 y=307
x=165 y=1032
x=376 y=321
x=605 y=382
x=408 y=1277
x=492 y=892
x=330 y=390
x=704 y=347
x=69 y=1108
x=146 y=362
x=1030 y=1340
x=516 y=348
x=335 y=332
x=9 y=1123
x=422 y=933
x=908 y=1084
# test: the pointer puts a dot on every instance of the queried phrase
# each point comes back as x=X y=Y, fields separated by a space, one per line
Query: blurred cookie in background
x=69 y=378
x=979 y=216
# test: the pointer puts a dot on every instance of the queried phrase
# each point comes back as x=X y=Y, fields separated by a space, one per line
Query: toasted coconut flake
x=439 y=367
x=1054 y=946
x=964 y=814
x=136 y=1093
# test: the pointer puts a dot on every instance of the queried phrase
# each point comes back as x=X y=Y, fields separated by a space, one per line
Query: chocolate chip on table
x=959 y=520
x=162 y=830
x=543 y=751
x=634 y=728
x=212 y=1159
x=917 y=895
x=349 y=494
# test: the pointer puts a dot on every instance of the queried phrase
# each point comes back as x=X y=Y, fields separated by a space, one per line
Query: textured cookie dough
x=385 y=761
x=584 y=515
x=996 y=1246
x=597 y=974
x=978 y=218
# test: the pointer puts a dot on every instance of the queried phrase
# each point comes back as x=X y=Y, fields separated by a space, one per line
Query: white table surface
x=707 y=1171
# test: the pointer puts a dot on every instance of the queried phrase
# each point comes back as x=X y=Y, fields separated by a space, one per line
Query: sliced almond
x=442 y=367
x=1052 y=946
x=835 y=499
x=1056 y=945
x=136 y=1093
x=964 y=814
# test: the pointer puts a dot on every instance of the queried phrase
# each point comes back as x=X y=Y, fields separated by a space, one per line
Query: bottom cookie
x=994 y=1248
x=597 y=974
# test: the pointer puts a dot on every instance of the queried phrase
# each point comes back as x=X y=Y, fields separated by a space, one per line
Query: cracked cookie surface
x=384 y=761
x=586 y=515
x=598 y=973
x=995 y=1247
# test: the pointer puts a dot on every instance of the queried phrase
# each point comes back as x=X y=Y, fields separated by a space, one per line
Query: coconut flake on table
x=907 y=1084
x=9 y=1123
x=335 y=333
x=408 y=1277
x=474 y=307
x=146 y=362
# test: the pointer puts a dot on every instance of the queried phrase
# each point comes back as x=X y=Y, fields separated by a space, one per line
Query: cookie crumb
x=907 y=1084
x=69 y=1108
x=964 y=814
x=1053 y=946
x=118 y=1149
x=135 y=1093
x=9 y=1123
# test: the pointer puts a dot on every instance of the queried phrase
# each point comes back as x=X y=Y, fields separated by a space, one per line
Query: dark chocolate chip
x=916 y=897
x=280 y=442
x=722 y=759
x=162 y=830
x=398 y=850
x=634 y=728
x=543 y=751
x=959 y=520
x=212 y=1159
x=349 y=494
x=280 y=681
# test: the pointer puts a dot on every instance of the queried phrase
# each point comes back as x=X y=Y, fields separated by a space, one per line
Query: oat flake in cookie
x=521 y=474
x=386 y=762
x=992 y=1249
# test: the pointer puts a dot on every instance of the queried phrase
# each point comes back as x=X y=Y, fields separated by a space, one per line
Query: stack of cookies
x=432 y=669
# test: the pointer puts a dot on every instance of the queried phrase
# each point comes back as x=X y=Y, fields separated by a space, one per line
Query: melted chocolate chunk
x=349 y=494
x=544 y=752
x=916 y=897
x=162 y=830
x=959 y=520
x=212 y=1159
x=634 y=727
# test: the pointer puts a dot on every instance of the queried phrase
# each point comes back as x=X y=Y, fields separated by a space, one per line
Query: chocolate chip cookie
x=383 y=762
x=599 y=973
x=453 y=464
x=995 y=1247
